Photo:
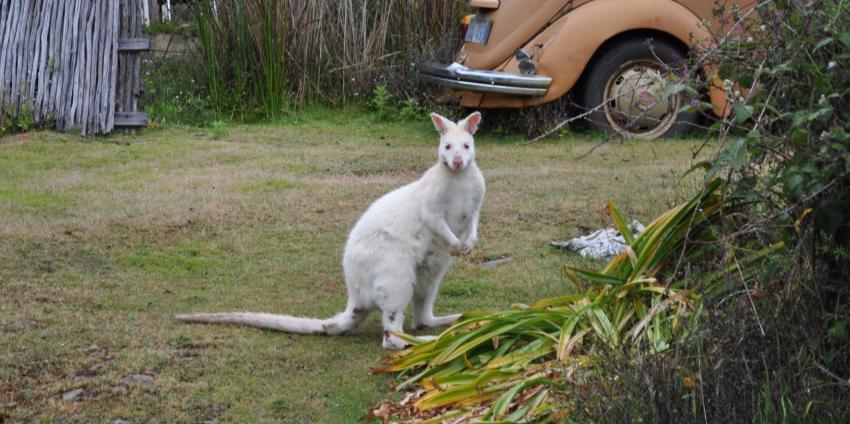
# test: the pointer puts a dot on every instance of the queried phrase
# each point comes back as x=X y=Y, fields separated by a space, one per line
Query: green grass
x=103 y=240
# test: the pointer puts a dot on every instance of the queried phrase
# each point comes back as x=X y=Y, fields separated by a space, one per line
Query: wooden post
x=153 y=12
x=130 y=44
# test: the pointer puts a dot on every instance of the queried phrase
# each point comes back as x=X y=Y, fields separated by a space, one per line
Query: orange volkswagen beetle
x=614 y=56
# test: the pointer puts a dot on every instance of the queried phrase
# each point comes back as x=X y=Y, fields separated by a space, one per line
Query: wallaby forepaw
x=464 y=249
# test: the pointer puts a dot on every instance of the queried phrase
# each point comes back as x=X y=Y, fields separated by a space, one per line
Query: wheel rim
x=635 y=105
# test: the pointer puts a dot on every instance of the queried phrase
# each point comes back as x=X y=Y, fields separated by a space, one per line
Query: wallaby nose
x=457 y=162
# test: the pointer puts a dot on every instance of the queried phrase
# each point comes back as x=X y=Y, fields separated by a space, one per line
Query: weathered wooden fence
x=72 y=63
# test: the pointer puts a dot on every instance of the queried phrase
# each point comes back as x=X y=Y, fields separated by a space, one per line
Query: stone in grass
x=136 y=380
x=18 y=325
x=71 y=395
x=87 y=374
x=490 y=263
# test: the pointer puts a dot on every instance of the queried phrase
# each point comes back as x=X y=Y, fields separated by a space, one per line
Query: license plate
x=478 y=31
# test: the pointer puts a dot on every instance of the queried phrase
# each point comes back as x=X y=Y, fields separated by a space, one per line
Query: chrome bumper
x=462 y=78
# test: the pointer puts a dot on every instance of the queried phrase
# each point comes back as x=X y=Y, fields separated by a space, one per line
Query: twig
x=565 y=122
x=842 y=381
x=749 y=295
x=756 y=225
x=592 y=149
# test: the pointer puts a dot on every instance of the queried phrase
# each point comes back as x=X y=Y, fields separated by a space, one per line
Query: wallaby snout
x=457 y=162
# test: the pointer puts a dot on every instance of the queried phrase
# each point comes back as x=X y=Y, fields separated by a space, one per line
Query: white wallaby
x=401 y=247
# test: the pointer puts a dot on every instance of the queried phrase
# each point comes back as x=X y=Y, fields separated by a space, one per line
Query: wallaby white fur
x=401 y=247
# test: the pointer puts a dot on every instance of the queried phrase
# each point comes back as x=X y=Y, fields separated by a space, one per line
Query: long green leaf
x=621 y=225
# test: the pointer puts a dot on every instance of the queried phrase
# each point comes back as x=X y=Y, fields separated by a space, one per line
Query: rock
x=18 y=325
x=121 y=421
x=136 y=380
x=90 y=372
x=72 y=394
x=496 y=262
x=91 y=349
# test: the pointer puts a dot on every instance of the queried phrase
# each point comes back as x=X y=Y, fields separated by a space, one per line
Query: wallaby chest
x=461 y=206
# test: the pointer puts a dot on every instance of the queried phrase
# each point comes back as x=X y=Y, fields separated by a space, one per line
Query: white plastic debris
x=604 y=243
x=457 y=67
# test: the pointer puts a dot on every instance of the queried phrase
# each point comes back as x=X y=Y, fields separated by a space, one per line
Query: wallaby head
x=457 y=147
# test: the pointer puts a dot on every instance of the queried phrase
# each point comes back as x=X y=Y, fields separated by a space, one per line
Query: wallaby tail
x=340 y=323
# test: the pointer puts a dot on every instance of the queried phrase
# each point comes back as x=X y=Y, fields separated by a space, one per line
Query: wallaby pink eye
x=466 y=146
x=448 y=146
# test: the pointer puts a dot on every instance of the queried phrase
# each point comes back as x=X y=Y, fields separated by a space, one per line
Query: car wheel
x=626 y=83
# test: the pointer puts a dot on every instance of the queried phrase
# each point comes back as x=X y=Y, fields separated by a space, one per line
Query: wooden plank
x=135 y=32
x=7 y=16
x=133 y=44
x=87 y=70
x=121 y=97
x=112 y=81
x=72 y=81
x=131 y=119
x=19 y=49
x=153 y=11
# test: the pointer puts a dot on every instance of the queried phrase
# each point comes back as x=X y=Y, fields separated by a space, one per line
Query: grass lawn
x=103 y=240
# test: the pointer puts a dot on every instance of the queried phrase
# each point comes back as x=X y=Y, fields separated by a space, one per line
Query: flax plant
x=514 y=365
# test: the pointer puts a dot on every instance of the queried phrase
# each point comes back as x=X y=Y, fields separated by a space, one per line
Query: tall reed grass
x=264 y=55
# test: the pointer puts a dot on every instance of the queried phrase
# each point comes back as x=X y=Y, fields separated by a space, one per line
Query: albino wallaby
x=401 y=247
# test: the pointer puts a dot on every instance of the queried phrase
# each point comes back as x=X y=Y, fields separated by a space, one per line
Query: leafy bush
x=786 y=148
x=382 y=103
x=412 y=110
x=172 y=27
x=776 y=350
x=386 y=107
x=21 y=120
x=790 y=112
x=174 y=92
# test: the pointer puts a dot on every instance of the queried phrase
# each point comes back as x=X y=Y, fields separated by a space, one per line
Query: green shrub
x=775 y=352
x=219 y=130
x=174 y=92
x=412 y=110
x=172 y=27
x=21 y=120
x=383 y=104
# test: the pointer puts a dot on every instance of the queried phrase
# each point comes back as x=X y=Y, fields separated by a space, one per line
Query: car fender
x=565 y=48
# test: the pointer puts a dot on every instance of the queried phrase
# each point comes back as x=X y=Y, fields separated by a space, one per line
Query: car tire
x=635 y=70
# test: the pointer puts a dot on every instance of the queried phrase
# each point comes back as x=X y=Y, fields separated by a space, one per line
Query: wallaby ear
x=440 y=123
x=470 y=124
